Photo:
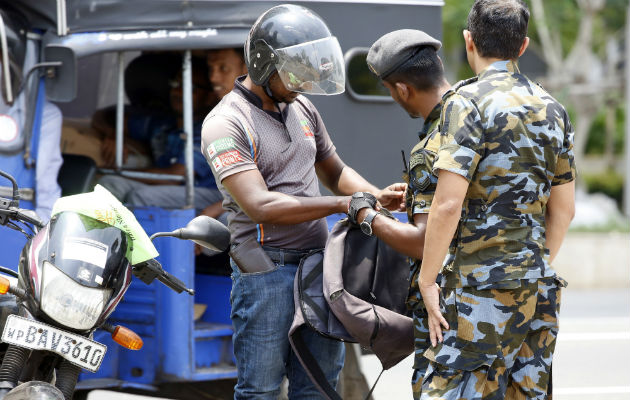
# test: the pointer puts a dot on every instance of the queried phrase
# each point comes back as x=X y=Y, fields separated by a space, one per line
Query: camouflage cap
x=395 y=48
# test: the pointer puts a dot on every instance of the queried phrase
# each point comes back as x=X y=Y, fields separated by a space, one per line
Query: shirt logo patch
x=307 y=129
x=227 y=159
x=219 y=146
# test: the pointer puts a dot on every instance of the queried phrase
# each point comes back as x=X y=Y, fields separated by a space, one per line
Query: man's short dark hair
x=498 y=27
x=423 y=71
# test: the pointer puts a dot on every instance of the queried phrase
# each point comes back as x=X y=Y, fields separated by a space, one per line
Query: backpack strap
x=300 y=324
x=310 y=364
x=314 y=371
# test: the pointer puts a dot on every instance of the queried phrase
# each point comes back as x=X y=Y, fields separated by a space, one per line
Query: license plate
x=35 y=335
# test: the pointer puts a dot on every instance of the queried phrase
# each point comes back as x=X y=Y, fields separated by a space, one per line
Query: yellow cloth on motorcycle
x=103 y=206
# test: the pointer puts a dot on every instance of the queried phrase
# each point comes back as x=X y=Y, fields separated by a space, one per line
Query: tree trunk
x=582 y=125
x=609 y=143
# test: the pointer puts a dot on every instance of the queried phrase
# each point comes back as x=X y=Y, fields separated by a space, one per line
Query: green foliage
x=616 y=225
x=455 y=20
x=562 y=17
x=614 y=15
x=454 y=17
x=610 y=183
x=362 y=80
x=597 y=134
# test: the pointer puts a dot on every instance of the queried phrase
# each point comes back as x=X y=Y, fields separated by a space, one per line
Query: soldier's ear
x=524 y=46
x=470 y=45
x=402 y=90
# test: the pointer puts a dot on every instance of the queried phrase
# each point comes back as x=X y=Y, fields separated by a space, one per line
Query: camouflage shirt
x=421 y=187
x=512 y=141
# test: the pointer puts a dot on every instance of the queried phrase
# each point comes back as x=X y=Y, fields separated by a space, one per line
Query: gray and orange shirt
x=238 y=135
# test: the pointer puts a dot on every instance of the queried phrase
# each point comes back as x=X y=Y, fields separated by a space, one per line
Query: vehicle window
x=361 y=83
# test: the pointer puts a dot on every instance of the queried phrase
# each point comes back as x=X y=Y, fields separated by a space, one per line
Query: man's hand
x=431 y=297
x=393 y=197
x=108 y=151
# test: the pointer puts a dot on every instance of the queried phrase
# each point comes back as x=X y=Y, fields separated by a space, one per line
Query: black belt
x=285 y=256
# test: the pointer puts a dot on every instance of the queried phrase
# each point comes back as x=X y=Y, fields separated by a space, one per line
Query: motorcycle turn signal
x=5 y=287
x=124 y=336
x=127 y=338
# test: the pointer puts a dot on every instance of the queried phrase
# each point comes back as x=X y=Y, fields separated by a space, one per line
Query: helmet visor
x=314 y=67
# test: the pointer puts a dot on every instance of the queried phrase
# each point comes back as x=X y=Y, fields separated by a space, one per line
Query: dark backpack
x=354 y=291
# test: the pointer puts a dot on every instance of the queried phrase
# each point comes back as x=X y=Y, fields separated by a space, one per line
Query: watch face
x=366 y=228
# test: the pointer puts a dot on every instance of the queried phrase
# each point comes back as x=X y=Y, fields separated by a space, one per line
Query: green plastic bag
x=103 y=206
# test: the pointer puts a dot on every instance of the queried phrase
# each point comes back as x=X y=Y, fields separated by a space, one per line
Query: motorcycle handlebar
x=150 y=270
x=173 y=283
x=22 y=215
x=16 y=197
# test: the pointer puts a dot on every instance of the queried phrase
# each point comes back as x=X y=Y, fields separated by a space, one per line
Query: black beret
x=395 y=48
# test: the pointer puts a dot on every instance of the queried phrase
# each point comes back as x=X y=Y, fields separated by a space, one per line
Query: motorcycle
x=72 y=273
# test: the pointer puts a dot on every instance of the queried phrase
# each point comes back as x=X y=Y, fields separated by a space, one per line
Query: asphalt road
x=591 y=360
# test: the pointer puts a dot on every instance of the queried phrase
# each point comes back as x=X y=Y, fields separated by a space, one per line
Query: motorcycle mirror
x=203 y=230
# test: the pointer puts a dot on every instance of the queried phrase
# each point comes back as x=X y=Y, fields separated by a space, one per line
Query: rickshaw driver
x=224 y=66
x=267 y=145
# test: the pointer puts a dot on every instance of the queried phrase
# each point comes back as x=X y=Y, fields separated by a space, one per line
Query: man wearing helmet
x=267 y=146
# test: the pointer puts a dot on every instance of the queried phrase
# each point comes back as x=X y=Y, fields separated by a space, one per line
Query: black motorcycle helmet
x=295 y=42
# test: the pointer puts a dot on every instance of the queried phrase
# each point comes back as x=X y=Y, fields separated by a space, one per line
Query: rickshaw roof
x=131 y=15
x=125 y=15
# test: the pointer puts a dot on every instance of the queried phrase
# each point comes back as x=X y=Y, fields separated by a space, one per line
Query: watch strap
x=371 y=214
x=369 y=218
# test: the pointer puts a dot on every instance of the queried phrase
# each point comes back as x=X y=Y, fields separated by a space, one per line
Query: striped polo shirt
x=238 y=135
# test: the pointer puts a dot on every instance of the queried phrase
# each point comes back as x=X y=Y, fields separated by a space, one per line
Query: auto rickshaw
x=79 y=52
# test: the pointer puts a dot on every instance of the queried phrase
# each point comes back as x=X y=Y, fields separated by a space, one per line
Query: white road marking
x=592 y=336
x=591 y=390
x=596 y=321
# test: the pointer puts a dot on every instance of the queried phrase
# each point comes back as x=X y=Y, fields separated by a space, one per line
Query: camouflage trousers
x=500 y=343
x=421 y=344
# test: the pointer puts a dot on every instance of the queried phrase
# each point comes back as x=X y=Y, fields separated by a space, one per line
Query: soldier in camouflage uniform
x=506 y=190
x=407 y=63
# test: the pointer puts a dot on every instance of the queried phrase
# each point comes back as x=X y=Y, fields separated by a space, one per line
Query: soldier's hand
x=393 y=197
x=431 y=297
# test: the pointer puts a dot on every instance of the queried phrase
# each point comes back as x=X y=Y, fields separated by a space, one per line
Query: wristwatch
x=359 y=201
x=366 y=225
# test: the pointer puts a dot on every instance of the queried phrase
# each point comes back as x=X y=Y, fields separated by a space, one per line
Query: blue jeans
x=262 y=312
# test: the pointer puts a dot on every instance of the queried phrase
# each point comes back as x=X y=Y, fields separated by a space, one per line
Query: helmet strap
x=268 y=91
